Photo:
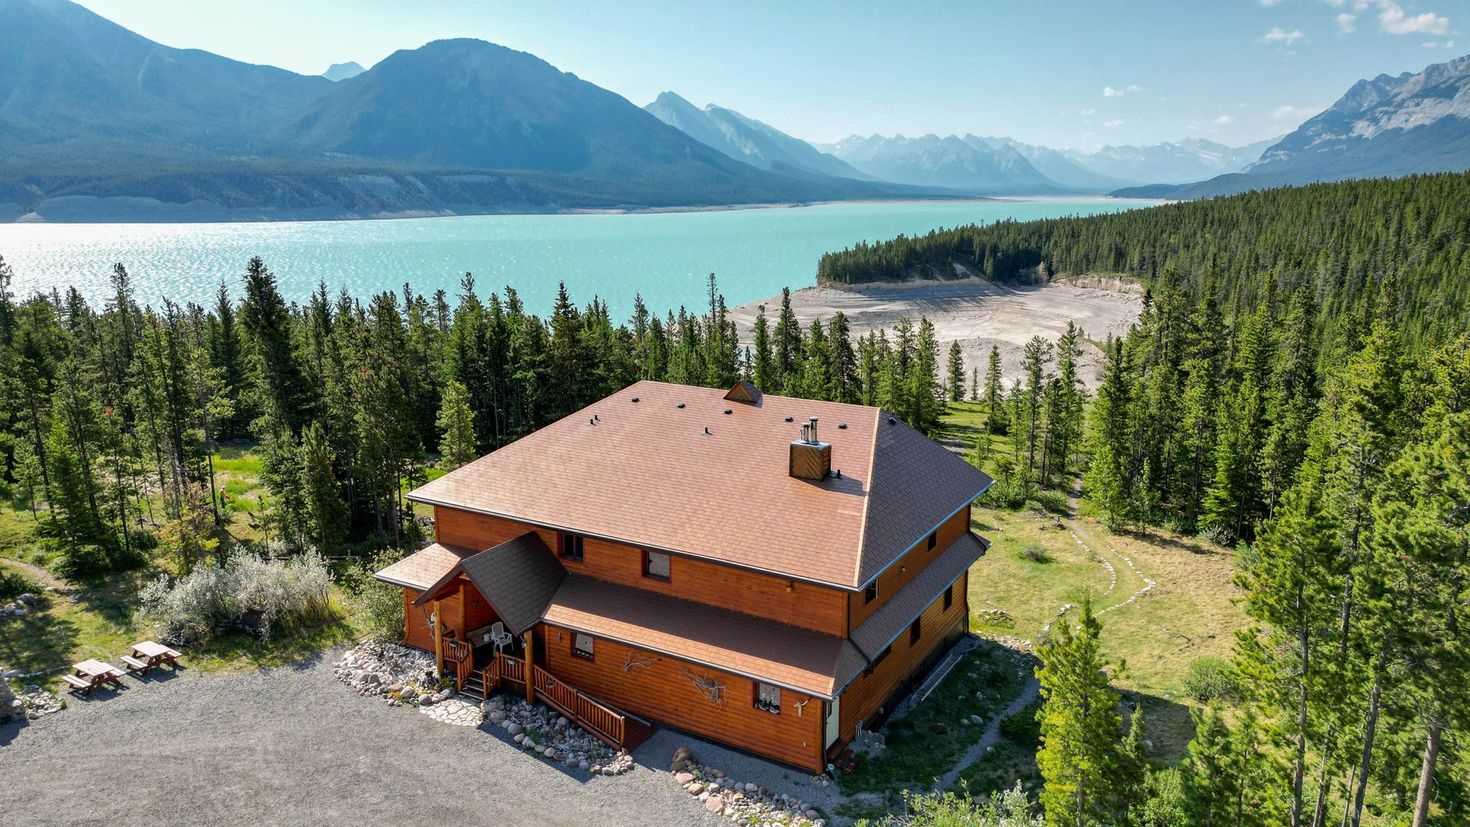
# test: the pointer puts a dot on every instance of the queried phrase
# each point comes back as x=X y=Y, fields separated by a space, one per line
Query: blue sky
x=1063 y=73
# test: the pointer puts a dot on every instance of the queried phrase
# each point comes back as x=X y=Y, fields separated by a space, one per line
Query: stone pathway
x=977 y=750
x=454 y=712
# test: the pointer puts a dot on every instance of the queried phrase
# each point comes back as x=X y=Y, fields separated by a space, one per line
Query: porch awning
x=517 y=578
x=886 y=624
x=425 y=567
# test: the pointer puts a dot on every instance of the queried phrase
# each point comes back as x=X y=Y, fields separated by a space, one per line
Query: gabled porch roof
x=425 y=567
x=517 y=578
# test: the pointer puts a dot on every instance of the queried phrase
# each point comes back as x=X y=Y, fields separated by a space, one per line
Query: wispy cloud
x=1114 y=123
x=1346 y=22
x=1224 y=119
x=1269 y=3
x=1086 y=112
x=1110 y=92
x=1288 y=112
x=1394 y=20
x=1280 y=35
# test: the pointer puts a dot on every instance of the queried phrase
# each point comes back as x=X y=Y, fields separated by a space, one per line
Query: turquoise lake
x=663 y=256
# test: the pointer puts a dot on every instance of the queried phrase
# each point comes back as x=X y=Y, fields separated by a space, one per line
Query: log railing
x=606 y=723
x=602 y=721
x=462 y=655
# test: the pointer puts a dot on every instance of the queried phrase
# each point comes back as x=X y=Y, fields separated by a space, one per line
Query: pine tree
x=1108 y=475
x=268 y=321
x=456 y=423
x=955 y=373
x=1080 y=726
x=763 y=365
x=326 y=516
x=994 y=397
x=788 y=345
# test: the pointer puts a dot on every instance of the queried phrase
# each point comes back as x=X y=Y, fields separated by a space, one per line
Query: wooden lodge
x=767 y=572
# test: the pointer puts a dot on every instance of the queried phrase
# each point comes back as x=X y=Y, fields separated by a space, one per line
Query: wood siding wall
x=938 y=629
x=908 y=567
x=801 y=604
x=660 y=688
x=416 y=629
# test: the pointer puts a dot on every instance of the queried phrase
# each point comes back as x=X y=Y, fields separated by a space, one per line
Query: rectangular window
x=948 y=596
x=932 y=541
x=656 y=565
x=916 y=630
x=582 y=645
x=870 y=593
x=768 y=697
x=570 y=546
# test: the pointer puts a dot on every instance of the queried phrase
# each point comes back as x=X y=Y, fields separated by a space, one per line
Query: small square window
x=582 y=645
x=768 y=697
x=932 y=541
x=916 y=631
x=948 y=596
x=570 y=546
x=656 y=565
x=870 y=593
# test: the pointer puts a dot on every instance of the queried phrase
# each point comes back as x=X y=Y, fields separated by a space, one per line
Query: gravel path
x=988 y=738
x=294 y=746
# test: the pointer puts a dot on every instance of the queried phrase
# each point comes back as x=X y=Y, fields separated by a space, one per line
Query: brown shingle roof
x=424 y=567
x=517 y=578
x=647 y=473
x=773 y=652
x=886 y=624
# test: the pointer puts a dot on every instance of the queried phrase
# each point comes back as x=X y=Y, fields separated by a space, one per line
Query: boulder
x=683 y=754
x=714 y=804
x=683 y=778
x=976 y=720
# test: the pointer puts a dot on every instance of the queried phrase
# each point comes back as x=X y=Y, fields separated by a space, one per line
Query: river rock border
x=747 y=803
x=539 y=730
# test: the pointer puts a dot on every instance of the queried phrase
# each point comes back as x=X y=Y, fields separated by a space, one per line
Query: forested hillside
x=1337 y=239
x=112 y=416
x=1299 y=385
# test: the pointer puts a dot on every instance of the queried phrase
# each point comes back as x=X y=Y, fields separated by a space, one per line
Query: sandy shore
x=975 y=313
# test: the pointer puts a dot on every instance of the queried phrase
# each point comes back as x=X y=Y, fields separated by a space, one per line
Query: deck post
x=527 y=669
x=438 y=640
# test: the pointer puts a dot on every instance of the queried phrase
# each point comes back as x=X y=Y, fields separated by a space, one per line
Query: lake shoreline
x=119 y=210
x=974 y=312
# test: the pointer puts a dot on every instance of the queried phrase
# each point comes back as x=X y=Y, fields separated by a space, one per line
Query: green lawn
x=98 y=618
x=982 y=683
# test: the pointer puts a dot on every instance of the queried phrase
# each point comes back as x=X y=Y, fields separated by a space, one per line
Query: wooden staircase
x=612 y=726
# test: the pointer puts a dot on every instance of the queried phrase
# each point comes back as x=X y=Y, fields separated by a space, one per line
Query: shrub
x=1053 y=502
x=1217 y=534
x=286 y=592
x=1035 y=554
x=1006 y=493
x=79 y=561
x=378 y=604
x=1210 y=678
x=13 y=584
x=950 y=809
x=1023 y=729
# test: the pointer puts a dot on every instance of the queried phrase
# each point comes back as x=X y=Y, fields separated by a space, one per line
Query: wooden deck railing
x=462 y=656
x=604 y=722
x=598 y=719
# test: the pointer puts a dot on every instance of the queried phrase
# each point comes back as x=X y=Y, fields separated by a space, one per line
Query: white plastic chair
x=499 y=636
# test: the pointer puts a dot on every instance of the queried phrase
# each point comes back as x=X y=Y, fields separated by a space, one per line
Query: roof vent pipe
x=813 y=439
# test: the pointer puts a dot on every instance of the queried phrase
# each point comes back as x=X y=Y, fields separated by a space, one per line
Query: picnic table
x=92 y=673
x=147 y=655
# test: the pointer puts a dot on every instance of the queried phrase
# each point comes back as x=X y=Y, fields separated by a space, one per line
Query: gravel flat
x=294 y=746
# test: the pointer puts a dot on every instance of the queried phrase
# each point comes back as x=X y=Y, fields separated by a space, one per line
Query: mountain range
x=100 y=123
x=97 y=122
x=1389 y=126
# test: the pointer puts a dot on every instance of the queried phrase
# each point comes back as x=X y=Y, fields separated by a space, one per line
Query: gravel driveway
x=294 y=746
